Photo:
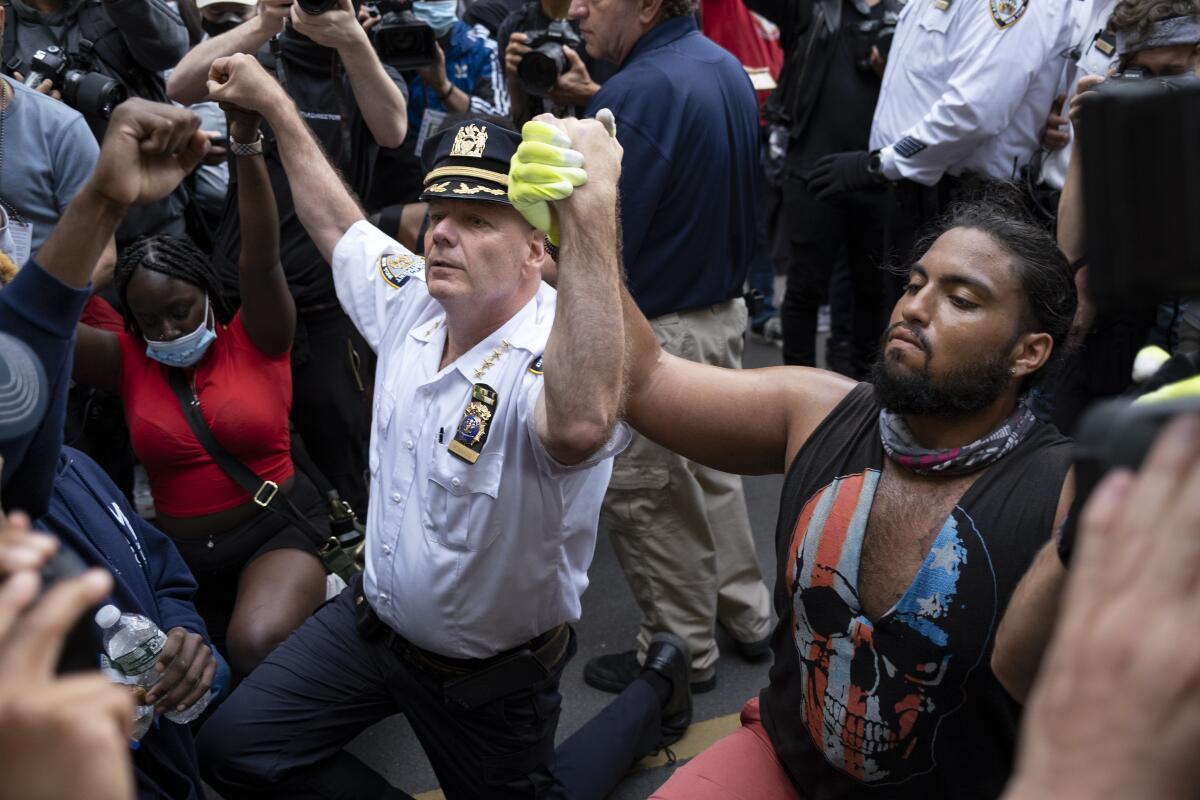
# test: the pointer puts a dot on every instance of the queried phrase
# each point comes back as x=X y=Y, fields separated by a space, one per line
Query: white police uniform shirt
x=968 y=87
x=1091 y=53
x=465 y=560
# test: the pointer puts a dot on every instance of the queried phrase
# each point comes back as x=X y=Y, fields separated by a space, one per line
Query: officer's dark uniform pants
x=282 y=731
x=333 y=373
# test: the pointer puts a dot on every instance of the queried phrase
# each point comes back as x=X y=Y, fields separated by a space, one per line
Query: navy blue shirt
x=687 y=118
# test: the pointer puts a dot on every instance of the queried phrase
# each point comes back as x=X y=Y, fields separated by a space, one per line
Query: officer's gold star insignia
x=397 y=268
x=1005 y=13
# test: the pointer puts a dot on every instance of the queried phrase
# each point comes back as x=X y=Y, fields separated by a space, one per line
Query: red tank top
x=245 y=397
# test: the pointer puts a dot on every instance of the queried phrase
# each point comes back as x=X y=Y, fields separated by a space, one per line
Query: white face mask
x=187 y=350
x=437 y=14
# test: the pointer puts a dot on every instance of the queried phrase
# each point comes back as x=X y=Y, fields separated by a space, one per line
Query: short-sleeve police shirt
x=463 y=559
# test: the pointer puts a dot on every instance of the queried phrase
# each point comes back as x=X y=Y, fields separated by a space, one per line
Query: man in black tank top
x=913 y=505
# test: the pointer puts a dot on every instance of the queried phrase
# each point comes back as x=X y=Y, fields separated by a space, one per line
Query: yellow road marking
x=698 y=737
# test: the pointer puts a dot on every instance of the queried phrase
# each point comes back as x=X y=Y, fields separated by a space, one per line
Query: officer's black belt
x=547 y=649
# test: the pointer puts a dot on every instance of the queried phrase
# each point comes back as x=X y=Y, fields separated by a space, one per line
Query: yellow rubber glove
x=544 y=169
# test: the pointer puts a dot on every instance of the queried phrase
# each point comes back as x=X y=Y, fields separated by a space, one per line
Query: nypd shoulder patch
x=397 y=268
x=1005 y=13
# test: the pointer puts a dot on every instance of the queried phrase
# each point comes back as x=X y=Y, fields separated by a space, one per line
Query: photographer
x=578 y=75
x=107 y=50
x=354 y=105
x=823 y=104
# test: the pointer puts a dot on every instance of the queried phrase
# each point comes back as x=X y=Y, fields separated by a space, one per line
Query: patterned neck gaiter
x=902 y=447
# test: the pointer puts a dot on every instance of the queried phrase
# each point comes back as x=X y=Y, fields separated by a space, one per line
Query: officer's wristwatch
x=254 y=148
x=875 y=166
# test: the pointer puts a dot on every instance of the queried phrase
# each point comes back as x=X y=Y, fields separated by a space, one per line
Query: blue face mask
x=437 y=14
x=188 y=349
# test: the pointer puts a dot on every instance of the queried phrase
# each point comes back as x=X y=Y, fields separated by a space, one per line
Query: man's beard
x=914 y=392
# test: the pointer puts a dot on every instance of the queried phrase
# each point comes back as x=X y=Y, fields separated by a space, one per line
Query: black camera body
x=1138 y=144
x=90 y=93
x=401 y=40
x=541 y=68
x=315 y=7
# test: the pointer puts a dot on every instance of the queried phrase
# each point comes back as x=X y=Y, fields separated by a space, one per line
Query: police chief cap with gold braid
x=471 y=162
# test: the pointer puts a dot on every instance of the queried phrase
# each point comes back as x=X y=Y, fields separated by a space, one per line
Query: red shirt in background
x=754 y=41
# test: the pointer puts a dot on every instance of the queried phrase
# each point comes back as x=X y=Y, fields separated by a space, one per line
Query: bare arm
x=1071 y=232
x=325 y=206
x=1028 y=623
x=268 y=311
x=97 y=358
x=584 y=359
x=188 y=82
x=748 y=422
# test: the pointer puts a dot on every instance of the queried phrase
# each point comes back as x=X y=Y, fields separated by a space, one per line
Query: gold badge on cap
x=469 y=141
x=472 y=431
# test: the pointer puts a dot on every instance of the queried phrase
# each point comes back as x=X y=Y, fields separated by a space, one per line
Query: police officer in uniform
x=494 y=429
x=965 y=92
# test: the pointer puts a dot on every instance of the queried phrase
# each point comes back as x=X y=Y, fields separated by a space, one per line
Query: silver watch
x=254 y=148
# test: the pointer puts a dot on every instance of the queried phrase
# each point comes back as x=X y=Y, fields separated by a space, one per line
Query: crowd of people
x=332 y=333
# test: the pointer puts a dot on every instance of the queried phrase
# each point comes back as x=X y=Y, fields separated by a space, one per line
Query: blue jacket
x=690 y=178
x=473 y=66
x=91 y=515
x=41 y=311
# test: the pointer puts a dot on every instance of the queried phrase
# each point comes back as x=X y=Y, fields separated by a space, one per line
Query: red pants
x=742 y=766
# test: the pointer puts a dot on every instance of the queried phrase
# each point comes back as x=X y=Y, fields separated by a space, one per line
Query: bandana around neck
x=901 y=446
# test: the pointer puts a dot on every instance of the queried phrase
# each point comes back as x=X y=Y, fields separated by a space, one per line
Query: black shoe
x=668 y=656
x=612 y=673
x=753 y=651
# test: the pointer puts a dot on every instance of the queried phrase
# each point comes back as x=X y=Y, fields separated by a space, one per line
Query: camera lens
x=92 y=94
x=539 y=69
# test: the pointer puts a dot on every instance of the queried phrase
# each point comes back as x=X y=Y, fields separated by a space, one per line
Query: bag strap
x=265 y=493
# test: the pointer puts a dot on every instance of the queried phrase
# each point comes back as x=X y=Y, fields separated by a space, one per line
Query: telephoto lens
x=92 y=94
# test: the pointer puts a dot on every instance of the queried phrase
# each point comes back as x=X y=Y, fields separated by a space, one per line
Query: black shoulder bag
x=265 y=493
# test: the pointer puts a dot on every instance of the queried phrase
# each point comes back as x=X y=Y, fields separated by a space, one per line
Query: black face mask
x=222 y=25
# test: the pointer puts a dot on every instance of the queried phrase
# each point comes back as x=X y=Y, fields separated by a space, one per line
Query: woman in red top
x=258 y=575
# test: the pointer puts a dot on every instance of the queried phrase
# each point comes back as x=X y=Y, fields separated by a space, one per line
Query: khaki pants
x=680 y=530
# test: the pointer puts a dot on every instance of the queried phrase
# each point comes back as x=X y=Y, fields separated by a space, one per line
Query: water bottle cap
x=108 y=616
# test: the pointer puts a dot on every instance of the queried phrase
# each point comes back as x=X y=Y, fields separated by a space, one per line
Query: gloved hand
x=545 y=169
x=840 y=172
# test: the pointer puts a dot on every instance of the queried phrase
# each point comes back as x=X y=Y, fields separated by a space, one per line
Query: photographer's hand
x=338 y=28
x=1083 y=94
x=515 y=51
x=575 y=87
x=45 y=87
x=1115 y=712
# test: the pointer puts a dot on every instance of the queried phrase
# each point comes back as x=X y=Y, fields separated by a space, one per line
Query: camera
x=315 y=7
x=401 y=40
x=1137 y=143
x=90 y=93
x=876 y=33
x=541 y=67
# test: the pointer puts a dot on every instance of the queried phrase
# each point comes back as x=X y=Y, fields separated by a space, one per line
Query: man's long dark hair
x=1043 y=271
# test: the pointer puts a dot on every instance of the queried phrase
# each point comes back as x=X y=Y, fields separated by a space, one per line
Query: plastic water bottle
x=133 y=644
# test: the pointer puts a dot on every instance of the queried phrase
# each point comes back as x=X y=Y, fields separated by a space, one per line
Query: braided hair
x=175 y=258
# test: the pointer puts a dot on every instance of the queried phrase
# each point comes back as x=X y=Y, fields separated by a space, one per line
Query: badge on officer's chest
x=472 y=431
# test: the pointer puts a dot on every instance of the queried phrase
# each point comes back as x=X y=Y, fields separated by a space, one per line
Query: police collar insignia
x=397 y=268
x=536 y=366
x=472 y=432
x=1005 y=13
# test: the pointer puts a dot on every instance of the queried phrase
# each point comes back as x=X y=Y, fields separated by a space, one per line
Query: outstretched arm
x=268 y=311
x=188 y=83
x=584 y=359
x=748 y=422
x=324 y=204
